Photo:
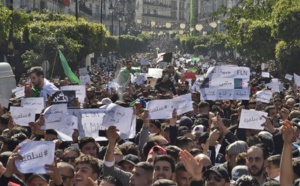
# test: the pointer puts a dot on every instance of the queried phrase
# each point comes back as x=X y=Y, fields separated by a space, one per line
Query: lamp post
x=11 y=35
x=120 y=19
x=111 y=9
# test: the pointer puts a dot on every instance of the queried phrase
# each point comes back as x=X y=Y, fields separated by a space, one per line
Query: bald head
x=205 y=159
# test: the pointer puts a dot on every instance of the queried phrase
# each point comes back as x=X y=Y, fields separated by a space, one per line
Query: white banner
x=83 y=71
x=36 y=154
x=289 y=77
x=265 y=74
x=22 y=116
x=264 y=96
x=38 y=104
x=252 y=119
x=160 y=109
x=85 y=79
x=297 y=80
x=56 y=109
x=183 y=104
x=79 y=89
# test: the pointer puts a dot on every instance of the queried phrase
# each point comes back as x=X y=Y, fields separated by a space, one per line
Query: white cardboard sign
x=183 y=104
x=79 y=89
x=160 y=109
x=22 y=116
x=252 y=119
x=264 y=96
x=38 y=104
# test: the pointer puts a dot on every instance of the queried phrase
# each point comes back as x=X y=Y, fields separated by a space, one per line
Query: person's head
x=38 y=180
x=155 y=151
x=203 y=107
x=183 y=178
x=86 y=166
x=272 y=111
x=164 y=168
x=273 y=166
x=290 y=102
x=173 y=151
x=110 y=181
x=36 y=75
x=159 y=140
x=128 y=162
x=69 y=155
x=141 y=174
x=129 y=64
x=129 y=148
x=216 y=176
x=164 y=182
x=256 y=160
x=206 y=162
x=185 y=143
x=239 y=171
x=246 y=180
x=4 y=120
x=155 y=126
x=233 y=150
x=50 y=135
x=88 y=146
x=67 y=173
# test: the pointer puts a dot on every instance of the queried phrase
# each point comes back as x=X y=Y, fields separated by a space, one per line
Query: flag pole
x=54 y=64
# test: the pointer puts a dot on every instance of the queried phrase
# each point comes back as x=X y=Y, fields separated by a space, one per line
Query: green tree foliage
x=130 y=44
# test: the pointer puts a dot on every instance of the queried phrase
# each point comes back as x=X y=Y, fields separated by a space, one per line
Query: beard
x=258 y=172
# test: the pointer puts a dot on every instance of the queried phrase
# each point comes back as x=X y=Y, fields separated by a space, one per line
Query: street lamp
x=120 y=19
x=111 y=10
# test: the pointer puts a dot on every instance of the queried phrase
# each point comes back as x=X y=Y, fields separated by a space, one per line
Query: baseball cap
x=156 y=123
x=220 y=171
x=239 y=171
x=130 y=158
x=237 y=147
x=44 y=177
x=182 y=130
x=198 y=129
x=186 y=121
x=158 y=150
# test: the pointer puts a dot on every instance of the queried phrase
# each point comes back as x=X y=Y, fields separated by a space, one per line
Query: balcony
x=157 y=4
x=157 y=16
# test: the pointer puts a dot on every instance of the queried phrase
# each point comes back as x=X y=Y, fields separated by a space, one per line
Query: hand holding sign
x=10 y=165
x=252 y=119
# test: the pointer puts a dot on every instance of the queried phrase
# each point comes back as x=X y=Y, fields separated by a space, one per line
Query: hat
x=130 y=158
x=186 y=121
x=20 y=136
x=266 y=139
x=156 y=123
x=182 y=130
x=203 y=137
x=219 y=170
x=239 y=171
x=237 y=147
x=158 y=150
x=199 y=129
x=44 y=177
x=105 y=101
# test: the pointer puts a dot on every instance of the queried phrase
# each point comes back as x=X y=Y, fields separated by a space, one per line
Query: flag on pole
x=168 y=57
x=68 y=72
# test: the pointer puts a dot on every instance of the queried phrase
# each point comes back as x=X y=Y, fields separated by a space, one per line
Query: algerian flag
x=68 y=72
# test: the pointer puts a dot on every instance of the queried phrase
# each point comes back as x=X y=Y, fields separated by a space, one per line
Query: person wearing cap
x=239 y=171
x=155 y=151
x=232 y=151
x=216 y=176
x=128 y=162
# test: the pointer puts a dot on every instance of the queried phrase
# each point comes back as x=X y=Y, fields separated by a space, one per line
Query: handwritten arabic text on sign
x=252 y=119
x=160 y=109
x=22 y=116
x=37 y=153
x=37 y=103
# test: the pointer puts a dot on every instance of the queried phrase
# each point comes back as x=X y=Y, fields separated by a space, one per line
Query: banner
x=183 y=104
x=264 y=96
x=38 y=104
x=160 y=109
x=79 y=89
x=226 y=82
x=252 y=119
x=22 y=116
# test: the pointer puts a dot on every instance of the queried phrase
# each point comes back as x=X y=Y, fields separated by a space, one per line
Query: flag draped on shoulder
x=68 y=72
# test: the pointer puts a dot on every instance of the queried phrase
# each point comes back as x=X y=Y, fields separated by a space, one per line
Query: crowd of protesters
x=202 y=147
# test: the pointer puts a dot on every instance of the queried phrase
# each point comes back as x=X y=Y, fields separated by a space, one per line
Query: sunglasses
x=67 y=159
x=216 y=178
x=64 y=177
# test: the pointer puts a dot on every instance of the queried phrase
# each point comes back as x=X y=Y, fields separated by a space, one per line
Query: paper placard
x=18 y=92
x=38 y=104
x=56 y=109
x=65 y=97
x=252 y=119
x=297 y=80
x=85 y=79
x=264 y=96
x=37 y=153
x=54 y=121
x=22 y=116
x=289 y=77
x=118 y=116
x=160 y=109
x=265 y=74
x=83 y=71
x=79 y=89
x=183 y=104
x=144 y=61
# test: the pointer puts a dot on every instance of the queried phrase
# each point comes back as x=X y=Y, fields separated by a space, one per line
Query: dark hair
x=164 y=182
x=263 y=149
x=147 y=147
x=166 y=158
x=180 y=167
x=37 y=70
x=148 y=167
x=241 y=158
x=196 y=151
x=183 y=141
x=72 y=149
x=17 y=130
x=111 y=180
x=203 y=104
x=269 y=108
x=252 y=140
x=87 y=159
x=129 y=149
x=51 y=131
x=246 y=180
x=173 y=151
x=296 y=166
x=271 y=183
x=4 y=119
x=84 y=141
x=275 y=160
